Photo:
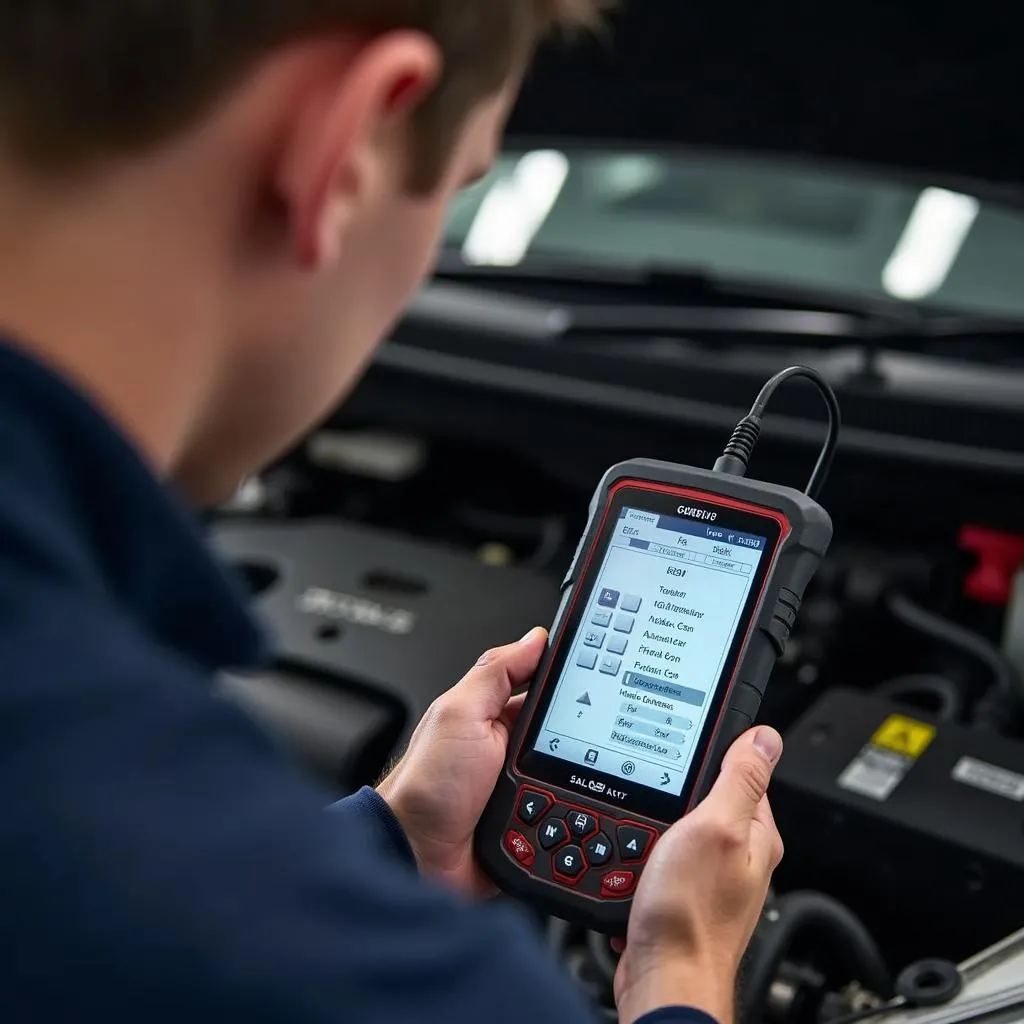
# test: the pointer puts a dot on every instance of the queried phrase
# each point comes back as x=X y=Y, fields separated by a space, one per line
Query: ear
x=332 y=149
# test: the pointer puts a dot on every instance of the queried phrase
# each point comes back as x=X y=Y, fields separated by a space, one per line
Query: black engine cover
x=390 y=622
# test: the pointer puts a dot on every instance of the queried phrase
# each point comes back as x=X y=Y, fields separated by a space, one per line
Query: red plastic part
x=1000 y=557
x=519 y=846
x=617 y=884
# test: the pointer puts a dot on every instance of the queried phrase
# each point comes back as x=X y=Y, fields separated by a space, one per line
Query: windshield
x=758 y=220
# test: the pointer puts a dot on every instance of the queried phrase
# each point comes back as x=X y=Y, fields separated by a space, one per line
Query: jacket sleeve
x=676 y=1015
x=164 y=861
x=372 y=813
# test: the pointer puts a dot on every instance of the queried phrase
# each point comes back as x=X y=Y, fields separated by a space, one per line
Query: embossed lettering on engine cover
x=357 y=611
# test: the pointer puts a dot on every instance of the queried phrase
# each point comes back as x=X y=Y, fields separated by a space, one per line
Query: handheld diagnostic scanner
x=679 y=601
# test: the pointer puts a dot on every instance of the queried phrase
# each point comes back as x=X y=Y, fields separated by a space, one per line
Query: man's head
x=311 y=147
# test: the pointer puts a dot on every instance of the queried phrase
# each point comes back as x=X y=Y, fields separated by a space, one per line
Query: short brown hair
x=81 y=79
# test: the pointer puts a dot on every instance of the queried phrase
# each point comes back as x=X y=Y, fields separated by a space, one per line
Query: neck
x=119 y=294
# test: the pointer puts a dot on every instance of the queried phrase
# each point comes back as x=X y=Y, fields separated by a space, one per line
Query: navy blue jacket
x=161 y=859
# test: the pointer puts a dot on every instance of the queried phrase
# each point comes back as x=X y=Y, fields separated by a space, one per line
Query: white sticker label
x=874 y=773
x=989 y=778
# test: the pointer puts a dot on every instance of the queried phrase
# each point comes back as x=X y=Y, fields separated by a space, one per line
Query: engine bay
x=385 y=563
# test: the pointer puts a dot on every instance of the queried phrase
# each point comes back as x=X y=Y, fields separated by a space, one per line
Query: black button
x=569 y=862
x=778 y=633
x=786 y=613
x=531 y=806
x=581 y=825
x=760 y=659
x=735 y=724
x=570 y=576
x=552 y=832
x=633 y=842
x=746 y=700
x=599 y=850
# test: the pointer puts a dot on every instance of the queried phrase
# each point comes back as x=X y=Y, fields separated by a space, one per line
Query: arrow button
x=531 y=806
x=634 y=842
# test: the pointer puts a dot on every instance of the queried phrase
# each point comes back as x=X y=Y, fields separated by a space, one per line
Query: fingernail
x=769 y=742
x=530 y=635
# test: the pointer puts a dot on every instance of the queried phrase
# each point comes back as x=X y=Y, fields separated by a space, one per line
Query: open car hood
x=916 y=86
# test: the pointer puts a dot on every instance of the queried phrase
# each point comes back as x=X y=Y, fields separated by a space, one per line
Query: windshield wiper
x=463 y=322
x=473 y=306
x=688 y=302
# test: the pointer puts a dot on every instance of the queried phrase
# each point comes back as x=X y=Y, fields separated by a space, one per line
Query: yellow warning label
x=904 y=736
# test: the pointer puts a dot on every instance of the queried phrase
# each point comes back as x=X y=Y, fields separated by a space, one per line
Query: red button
x=618 y=883
x=516 y=844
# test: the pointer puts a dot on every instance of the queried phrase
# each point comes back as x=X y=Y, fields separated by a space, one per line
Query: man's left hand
x=440 y=787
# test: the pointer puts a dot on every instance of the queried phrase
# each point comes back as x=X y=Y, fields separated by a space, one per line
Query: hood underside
x=922 y=87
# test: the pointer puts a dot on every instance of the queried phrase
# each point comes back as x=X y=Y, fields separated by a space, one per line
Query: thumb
x=746 y=772
x=490 y=682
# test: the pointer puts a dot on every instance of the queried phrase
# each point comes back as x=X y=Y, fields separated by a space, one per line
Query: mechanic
x=212 y=213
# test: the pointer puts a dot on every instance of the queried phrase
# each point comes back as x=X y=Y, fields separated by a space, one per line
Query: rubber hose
x=839 y=929
x=1004 y=672
x=945 y=691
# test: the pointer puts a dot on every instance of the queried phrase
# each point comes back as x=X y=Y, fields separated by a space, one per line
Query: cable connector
x=736 y=457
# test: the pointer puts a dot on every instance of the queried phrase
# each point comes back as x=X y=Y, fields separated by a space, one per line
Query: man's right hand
x=703 y=891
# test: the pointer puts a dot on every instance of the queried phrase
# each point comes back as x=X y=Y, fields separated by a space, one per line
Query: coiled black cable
x=840 y=931
x=925 y=983
x=1008 y=681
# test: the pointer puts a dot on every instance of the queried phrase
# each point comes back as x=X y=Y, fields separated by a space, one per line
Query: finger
x=619 y=945
x=489 y=684
x=766 y=847
x=513 y=709
x=746 y=772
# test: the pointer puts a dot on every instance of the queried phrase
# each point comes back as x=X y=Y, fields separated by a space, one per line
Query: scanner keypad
x=595 y=854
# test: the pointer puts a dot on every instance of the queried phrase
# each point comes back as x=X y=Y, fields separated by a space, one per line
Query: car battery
x=917 y=826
